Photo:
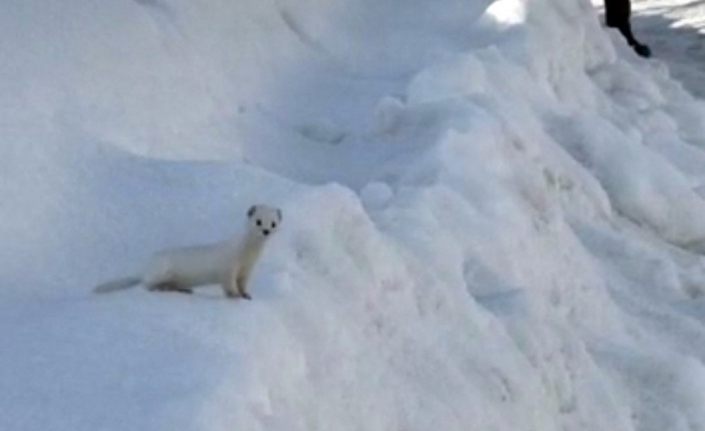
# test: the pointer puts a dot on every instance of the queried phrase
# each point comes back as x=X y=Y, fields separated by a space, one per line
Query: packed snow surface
x=493 y=218
x=675 y=29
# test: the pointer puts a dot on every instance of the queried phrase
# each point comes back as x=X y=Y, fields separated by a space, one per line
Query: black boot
x=617 y=15
x=641 y=49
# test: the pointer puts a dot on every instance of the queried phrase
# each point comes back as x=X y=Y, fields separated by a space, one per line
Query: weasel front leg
x=236 y=285
x=242 y=286
x=230 y=290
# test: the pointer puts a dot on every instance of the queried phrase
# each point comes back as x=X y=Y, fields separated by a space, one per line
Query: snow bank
x=491 y=218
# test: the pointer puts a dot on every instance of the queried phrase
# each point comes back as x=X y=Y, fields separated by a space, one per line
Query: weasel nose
x=266 y=232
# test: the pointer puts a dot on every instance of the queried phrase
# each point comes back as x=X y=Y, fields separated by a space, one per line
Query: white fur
x=227 y=263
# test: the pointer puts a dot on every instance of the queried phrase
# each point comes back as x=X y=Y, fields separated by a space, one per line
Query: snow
x=675 y=30
x=493 y=216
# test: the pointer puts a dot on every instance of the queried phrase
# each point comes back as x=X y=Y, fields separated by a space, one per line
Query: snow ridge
x=493 y=218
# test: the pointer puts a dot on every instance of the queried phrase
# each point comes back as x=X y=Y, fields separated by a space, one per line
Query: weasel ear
x=251 y=211
x=279 y=213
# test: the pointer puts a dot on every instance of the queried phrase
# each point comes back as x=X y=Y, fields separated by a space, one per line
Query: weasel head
x=263 y=220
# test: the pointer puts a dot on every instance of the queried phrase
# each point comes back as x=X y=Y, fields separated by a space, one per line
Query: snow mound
x=493 y=214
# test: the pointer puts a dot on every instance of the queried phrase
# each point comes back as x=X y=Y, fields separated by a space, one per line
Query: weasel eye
x=274 y=225
x=259 y=222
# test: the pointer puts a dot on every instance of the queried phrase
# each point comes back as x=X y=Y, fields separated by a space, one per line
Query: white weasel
x=227 y=263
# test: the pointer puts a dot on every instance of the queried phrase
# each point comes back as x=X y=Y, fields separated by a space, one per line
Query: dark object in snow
x=617 y=15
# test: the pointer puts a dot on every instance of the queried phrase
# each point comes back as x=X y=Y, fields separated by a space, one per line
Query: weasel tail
x=119 y=284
